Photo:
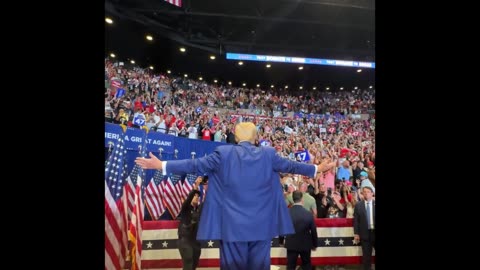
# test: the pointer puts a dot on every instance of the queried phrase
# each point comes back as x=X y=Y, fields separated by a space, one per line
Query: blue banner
x=134 y=137
x=112 y=133
x=302 y=156
x=157 y=140
x=120 y=93
x=173 y=147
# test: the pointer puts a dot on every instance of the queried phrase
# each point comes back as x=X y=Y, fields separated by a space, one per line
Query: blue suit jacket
x=245 y=198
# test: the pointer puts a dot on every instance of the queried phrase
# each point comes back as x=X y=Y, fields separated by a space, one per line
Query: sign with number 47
x=302 y=156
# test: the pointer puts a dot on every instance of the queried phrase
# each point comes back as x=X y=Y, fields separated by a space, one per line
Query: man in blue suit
x=244 y=208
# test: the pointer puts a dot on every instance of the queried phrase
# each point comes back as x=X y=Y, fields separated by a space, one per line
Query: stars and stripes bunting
x=335 y=246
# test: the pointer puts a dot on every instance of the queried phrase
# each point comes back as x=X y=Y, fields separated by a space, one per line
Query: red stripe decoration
x=335 y=246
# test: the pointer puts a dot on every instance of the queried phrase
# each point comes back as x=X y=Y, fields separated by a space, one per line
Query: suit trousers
x=254 y=255
x=292 y=256
x=190 y=252
x=367 y=248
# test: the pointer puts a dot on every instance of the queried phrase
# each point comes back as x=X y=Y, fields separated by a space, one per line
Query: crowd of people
x=190 y=108
x=185 y=107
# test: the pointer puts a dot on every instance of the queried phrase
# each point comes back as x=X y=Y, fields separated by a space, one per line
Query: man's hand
x=149 y=163
x=197 y=182
x=325 y=165
x=356 y=238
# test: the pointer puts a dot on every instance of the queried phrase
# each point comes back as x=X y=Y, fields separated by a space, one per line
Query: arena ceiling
x=332 y=29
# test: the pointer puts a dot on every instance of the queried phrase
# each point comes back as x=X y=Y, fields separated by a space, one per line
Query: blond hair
x=245 y=131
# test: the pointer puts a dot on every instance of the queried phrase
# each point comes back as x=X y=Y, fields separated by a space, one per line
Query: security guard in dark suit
x=364 y=226
x=305 y=238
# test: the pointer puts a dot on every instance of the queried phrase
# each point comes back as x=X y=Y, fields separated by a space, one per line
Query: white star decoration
x=165 y=244
x=340 y=242
x=353 y=241
x=149 y=245
x=327 y=242
x=210 y=243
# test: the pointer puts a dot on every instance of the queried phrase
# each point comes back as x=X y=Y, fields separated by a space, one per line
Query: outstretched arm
x=288 y=166
x=201 y=165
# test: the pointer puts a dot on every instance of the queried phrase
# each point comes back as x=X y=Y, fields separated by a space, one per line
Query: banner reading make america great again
x=112 y=133
x=157 y=140
x=134 y=137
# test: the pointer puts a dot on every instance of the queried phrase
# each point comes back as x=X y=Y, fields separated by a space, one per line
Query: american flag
x=177 y=180
x=188 y=184
x=130 y=187
x=172 y=198
x=115 y=213
x=136 y=227
x=177 y=3
x=154 y=196
x=136 y=221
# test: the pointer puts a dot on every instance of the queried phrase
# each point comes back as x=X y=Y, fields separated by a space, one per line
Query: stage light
x=108 y=20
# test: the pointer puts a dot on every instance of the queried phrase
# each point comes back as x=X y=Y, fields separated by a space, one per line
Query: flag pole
x=110 y=145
